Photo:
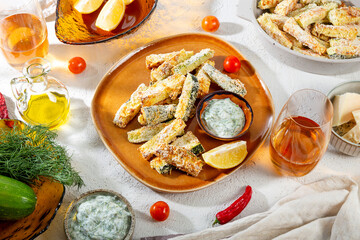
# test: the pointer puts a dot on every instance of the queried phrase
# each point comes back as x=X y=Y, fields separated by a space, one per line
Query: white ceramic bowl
x=336 y=141
x=83 y=197
x=248 y=10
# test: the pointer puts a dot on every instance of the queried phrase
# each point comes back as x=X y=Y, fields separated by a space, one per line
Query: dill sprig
x=28 y=152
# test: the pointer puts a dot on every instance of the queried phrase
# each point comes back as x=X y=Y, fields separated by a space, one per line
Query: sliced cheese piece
x=353 y=135
x=356 y=115
x=344 y=105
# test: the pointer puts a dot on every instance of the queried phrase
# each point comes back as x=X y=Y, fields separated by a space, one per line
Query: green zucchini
x=155 y=114
x=224 y=81
x=145 y=133
x=17 y=200
x=190 y=142
x=193 y=62
x=187 y=98
x=161 y=166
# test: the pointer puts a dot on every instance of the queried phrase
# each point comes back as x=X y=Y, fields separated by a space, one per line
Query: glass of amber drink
x=23 y=33
x=301 y=133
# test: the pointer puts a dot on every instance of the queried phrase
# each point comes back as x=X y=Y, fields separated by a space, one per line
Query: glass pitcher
x=40 y=99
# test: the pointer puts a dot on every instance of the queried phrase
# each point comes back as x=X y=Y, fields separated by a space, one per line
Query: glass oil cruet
x=40 y=99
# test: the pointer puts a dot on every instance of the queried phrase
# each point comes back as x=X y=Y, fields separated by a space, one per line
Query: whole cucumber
x=17 y=200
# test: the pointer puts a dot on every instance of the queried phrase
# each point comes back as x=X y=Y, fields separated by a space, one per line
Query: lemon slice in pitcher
x=226 y=156
x=87 y=6
x=111 y=15
x=21 y=34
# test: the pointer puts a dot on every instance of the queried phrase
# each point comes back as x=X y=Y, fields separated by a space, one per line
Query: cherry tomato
x=232 y=64
x=77 y=65
x=210 y=24
x=160 y=211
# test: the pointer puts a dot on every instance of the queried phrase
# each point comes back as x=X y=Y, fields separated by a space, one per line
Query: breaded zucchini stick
x=311 y=16
x=294 y=41
x=188 y=141
x=155 y=60
x=224 y=81
x=181 y=158
x=273 y=31
x=347 y=32
x=145 y=133
x=320 y=1
x=344 y=15
x=344 y=42
x=279 y=20
x=187 y=98
x=161 y=166
x=308 y=52
x=193 y=62
x=344 y=52
x=357 y=26
x=266 y=4
x=204 y=80
x=170 y=87
x=301 y=10
x=155 y=114
x=305 y=2
x=302 y=36
x=284 y=7
x=330 y=6
x=130 y=108
x=165 y=69
x=165 y=136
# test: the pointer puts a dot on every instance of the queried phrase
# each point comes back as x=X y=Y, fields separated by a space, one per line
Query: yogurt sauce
x=100 y=217
x=223 y=117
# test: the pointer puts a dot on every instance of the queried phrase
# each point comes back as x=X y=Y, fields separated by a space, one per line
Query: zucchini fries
x=163 y=107
x=308 y=26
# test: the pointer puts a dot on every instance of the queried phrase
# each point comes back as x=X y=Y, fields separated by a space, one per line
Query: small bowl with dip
x=224 y=115
x=111 y=209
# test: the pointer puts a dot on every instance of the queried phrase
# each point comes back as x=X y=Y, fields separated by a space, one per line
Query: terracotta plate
x=124 y=77
x=72 y=27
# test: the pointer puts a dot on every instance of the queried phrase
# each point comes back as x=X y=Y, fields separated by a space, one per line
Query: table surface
x=193 y=211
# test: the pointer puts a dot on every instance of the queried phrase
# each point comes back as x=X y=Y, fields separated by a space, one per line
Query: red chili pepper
x=3 y=109
x=4 y=114
x=234 y=209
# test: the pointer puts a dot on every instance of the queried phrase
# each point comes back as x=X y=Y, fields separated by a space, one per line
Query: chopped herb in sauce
x=100 y=217
x=223 y=117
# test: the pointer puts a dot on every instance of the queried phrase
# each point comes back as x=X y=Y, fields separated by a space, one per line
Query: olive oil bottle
x=41 y=99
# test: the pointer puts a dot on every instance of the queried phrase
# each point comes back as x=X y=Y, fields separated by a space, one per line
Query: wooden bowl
x=72 y=27
x=70 y=213
x=49 y=198
x=235 y=98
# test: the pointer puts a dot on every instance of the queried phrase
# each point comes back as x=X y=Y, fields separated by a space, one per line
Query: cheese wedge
x=344 y=105
x=353 y=135
x=356 y=115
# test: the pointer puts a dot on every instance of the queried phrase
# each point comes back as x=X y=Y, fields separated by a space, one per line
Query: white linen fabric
x=325 y=209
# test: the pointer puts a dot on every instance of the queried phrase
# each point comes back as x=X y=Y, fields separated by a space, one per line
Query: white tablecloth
x=194 y=211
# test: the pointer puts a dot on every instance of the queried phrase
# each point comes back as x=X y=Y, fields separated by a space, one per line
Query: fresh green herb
x=28 y=152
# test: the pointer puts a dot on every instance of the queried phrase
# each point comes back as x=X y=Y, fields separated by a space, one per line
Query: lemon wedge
x=87 y=6
x=127 y=2
x=21 y=34
x=227 y=155
x=111 y=15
